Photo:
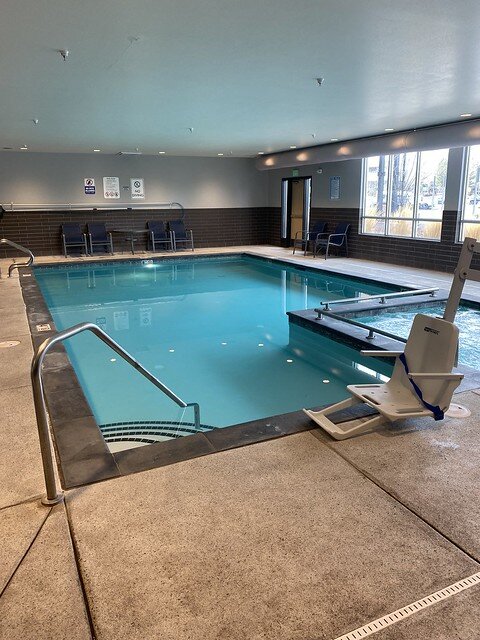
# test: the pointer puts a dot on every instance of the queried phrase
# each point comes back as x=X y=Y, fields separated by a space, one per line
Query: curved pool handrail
x=17 y=265
x=41 y=412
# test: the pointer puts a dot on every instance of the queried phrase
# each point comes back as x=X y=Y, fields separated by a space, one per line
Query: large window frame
x=470 y=191
x=386 y=215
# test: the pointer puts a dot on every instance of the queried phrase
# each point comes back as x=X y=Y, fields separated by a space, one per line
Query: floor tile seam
x=409 y=610
x=34 y=498
x=26 y=552
x=369 y=476
x=78 y=568
x=18 y=386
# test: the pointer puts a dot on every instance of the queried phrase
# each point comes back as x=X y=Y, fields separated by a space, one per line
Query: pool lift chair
x=422 y=382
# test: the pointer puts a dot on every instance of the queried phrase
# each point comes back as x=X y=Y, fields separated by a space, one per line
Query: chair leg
x=326 y=250
x=346 y=247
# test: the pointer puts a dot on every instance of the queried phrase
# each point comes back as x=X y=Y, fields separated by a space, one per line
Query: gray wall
x=350 y=172
x=47 y=178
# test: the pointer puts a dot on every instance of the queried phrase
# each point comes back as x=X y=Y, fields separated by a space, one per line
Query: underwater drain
x=9 y=343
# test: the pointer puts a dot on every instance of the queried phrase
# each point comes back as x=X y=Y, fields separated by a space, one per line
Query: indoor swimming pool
x=214 y=330
x=467 y=320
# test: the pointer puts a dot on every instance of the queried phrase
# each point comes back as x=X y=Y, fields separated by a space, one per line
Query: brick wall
x=440 y=256
x=40 y=231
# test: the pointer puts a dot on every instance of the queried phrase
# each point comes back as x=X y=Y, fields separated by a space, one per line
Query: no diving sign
x=89 y=186
x=137 y=188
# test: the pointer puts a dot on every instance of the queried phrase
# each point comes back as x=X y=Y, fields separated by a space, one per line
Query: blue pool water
x=214 y=330
x=467 y=320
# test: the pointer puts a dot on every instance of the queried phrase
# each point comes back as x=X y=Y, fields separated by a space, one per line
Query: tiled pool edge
x=81 y=452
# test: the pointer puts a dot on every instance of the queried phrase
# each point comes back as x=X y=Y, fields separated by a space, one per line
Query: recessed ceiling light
x=24 y=148
x=333 y=139
x=219 y=154
x=389 y=129
x=162 y=153
x=465 y=115
x=97 y=150
x=293 y=146
x=261 y=153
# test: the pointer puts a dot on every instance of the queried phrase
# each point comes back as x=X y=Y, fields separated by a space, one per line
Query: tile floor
x=295 y=538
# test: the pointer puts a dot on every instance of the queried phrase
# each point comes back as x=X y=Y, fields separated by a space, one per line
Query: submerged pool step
x=149 y=431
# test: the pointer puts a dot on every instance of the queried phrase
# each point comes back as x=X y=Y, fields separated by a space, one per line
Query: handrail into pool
x=54 y=497
x=371 y=330
x=17 y=265
x=383 y=296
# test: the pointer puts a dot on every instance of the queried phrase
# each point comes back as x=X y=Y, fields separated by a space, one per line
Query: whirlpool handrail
x=382 y=296
x=17 y=265
x=354 y=323
x=53 y=496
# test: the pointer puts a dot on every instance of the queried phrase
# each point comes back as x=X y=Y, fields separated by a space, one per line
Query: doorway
x=296 y=203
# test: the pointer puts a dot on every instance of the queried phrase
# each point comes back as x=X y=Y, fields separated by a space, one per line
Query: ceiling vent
x=129 y=153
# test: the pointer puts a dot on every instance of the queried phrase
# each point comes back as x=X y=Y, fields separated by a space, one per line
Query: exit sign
x=295 y=173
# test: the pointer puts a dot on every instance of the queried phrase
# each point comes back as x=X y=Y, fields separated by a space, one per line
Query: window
x=403 y=194
x=470 y=213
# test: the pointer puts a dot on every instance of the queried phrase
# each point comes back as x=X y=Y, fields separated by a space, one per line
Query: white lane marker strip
x=400 y=614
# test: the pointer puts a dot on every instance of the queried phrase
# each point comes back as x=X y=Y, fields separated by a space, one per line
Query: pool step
x=149 y=431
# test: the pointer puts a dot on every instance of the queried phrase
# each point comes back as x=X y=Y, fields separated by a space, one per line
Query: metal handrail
x=382 y=296
x=371 y=330
x=83 y=206
x=17 y=265
x=53 y=497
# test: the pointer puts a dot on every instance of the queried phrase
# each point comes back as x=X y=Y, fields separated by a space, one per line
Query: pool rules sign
x=137 y=188
x=111 y=187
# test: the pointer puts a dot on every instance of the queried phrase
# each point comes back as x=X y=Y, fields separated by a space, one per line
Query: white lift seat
x=430 y=355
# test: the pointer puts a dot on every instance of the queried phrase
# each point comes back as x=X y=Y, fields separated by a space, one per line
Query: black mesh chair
x=158 y=235
x=337 y=239
x=180 y=235
x=73 y=237
x=98 y=236
x=304 y=238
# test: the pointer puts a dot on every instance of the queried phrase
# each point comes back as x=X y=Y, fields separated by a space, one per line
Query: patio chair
x=159 y=235
x=73 y=236
x=180 y=235
x=303 y=238
x=98 y=236
x=336 y=239
x=422 y=382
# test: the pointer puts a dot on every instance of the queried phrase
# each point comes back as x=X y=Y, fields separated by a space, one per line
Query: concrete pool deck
x=295 y=538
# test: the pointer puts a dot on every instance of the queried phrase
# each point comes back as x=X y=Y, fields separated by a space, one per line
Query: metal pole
x=13 y=266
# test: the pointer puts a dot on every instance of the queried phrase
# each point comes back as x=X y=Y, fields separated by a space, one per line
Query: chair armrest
x=381 y=353
x=302 y=234
x=336 y=235
x=435 y=376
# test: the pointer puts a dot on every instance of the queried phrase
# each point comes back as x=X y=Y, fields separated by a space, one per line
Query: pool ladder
x=17 y=265
x=53 y=496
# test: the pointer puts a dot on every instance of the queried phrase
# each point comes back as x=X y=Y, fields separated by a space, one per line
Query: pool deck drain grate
x=405 y=612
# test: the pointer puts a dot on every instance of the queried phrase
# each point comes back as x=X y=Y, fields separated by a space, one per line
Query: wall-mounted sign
x=295 y=173
x=137 y=188
x=89 y=186
x=111 y=188
x=335 y=188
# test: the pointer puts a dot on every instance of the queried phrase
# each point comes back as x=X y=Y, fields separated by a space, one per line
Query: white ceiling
x=240 y=72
